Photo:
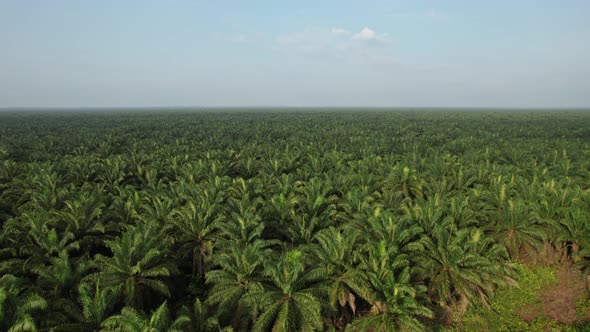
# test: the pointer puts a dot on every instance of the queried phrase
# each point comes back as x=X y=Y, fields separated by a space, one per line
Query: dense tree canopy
x=282 y=221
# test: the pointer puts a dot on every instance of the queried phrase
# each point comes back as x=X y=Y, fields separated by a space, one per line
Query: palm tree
x=461 y=267
x=131 y=320
x=244 y=225
x=113 y=172
x=375 y=225
x=19 y=310
x=194 y=227
x=35 y=242
x=61 y=275
x=575 y=229
x=95 y=304
x=314 y=210
x=398 y=308
x=427 y=214
x=333 y=251
x=81 y=168
x=518 y=228
x=195 y=319
x=396 y=305
x=138 y=264
x=280 y=210
x=44 y=190
x=353 y=203
x=290 y=300
x=406 y=182
x=83 y=218
x=157 y=208
x=236 y=278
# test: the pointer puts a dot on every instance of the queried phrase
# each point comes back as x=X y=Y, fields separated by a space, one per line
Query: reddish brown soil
x=559 y=301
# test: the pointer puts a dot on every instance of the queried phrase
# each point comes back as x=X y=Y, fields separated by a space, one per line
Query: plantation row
x=356 y=220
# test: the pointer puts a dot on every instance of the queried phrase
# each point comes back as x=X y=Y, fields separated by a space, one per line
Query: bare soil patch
x=559 y=301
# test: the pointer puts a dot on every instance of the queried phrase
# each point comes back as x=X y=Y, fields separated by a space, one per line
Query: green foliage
x=137 y=265
x=20 y=309
x=291 y=220
x=289 y=300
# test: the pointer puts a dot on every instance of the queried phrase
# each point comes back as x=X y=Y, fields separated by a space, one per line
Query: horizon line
x=270 y=107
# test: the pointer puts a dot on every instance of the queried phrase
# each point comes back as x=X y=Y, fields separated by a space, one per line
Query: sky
x=418 y=53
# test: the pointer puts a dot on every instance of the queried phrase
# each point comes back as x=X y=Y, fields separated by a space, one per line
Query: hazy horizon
x=383 y=54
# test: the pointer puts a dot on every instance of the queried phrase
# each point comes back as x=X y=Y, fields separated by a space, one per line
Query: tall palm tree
x=374 y=225
x=290 y=300
x=280 y=210
x=113 y=172
x=38 y=242
x=398 y=309
x=95 y=304
x=157 y=208
x=236 y=278
x=195 y=319
x=244 y=224
x=333 y=251
x=130 y=320
x=518 y=228
x=314 y=210
x=83 y=218
x=138 y=264
x=575 y=229
x=397 y=304
x=405 y=181
x=461 y=267
x=194 y=227
x=19 y=310
x=62 y=274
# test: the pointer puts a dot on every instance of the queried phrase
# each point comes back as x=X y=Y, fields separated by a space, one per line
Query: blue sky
x=431 y=53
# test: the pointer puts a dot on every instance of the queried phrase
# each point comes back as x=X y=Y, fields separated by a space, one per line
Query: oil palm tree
x=194 y=227
x=315 y=210
x=244 y=224
x=461 y=267
x=138 y=264
x=237 y=276
x=575 y=229
x=95 y=304
x=133 y=321
x=62 y=274
x=290 y=299
x=38 y=241
x=518 y=228
x=333 y=251
x=19 y=310
x=376 y=224
x=196 y=319
x=83 y=217
x=405 y=181
x=397 y=305
x=398 y=310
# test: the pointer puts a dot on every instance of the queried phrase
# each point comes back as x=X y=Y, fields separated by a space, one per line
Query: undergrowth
x=520 y=308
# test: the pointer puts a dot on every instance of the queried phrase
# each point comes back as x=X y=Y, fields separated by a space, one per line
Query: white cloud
x=366 y=46
x=367 y=34
x=340 y=31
